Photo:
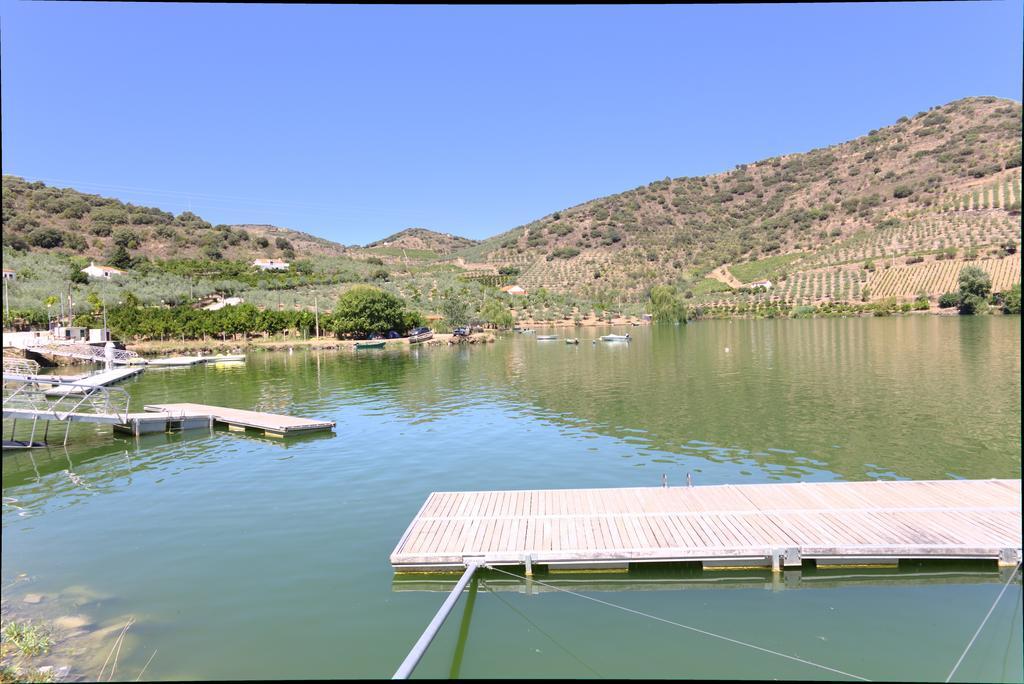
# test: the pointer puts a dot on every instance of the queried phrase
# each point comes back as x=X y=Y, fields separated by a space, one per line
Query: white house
x=8 y=274
x=229 y=301
x=513 y=290
x=271 y=264
x=766 y=284
x=94 y=271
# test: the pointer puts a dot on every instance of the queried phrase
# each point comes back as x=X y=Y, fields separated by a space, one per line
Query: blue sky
x=353 y=122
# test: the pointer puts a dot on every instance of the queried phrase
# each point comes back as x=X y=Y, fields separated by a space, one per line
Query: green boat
x=376 y=344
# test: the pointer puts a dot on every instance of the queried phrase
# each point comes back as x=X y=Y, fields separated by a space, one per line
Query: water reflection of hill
x=854 y=397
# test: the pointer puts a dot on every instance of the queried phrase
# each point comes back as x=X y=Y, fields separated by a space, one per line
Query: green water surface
x=244 y=557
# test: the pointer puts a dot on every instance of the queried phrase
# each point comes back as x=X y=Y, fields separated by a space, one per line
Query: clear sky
x=353 y=122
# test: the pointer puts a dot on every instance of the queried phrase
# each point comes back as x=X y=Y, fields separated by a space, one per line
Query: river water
x=246 y=557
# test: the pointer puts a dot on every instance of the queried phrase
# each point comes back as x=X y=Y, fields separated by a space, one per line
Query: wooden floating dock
x=200 y=415
x=774 y=525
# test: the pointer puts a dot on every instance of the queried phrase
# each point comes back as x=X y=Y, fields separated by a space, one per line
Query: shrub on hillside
x=46 y=238
x=973 y=304
x=1011 y=300
x=949 y=300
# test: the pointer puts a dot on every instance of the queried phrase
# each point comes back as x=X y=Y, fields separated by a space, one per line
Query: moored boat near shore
x=420 y=335
x=615 y=338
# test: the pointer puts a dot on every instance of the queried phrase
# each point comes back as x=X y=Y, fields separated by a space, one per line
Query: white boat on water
x=225 y=358
x=546 y=337
x=177 y=361
x=615 y=338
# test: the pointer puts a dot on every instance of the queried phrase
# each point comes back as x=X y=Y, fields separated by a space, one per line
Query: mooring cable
x=982 y=625
x=537 y=627
x=679 y=624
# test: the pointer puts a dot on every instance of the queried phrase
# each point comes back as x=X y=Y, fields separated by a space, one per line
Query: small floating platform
x=101 y=379
x=199 y=415
x=775 y=525
x=178 y=361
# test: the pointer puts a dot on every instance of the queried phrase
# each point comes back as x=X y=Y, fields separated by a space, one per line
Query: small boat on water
x=373 y=344
x=527 y=331
x=420 y=335
x=572 y=340
x=546 y=337
x=615 y=338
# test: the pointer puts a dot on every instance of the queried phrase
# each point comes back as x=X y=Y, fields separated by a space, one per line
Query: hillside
x=420 y=241
x=37 y=217
x=945 y=179
x=891 y=214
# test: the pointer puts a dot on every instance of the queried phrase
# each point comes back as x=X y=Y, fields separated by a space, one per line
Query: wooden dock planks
x=750 y=524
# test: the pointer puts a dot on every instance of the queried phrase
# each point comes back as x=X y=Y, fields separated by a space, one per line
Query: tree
x=975 y=286
x=1011 y=300
x=497 y=314
x=455 y=308
x=76 y=276
x=974 y=281
x=94 y=302
x=364 y=310
x=121 y=258
x=667 y=305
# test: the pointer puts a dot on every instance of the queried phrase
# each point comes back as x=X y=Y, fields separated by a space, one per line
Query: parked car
x=393 y=334
x=461 y=332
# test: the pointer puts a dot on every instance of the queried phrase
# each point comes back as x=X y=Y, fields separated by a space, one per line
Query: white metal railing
x=36 y=396
x=86 y=352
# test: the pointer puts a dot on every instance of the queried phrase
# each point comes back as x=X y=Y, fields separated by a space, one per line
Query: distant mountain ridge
x=424 y=239
x=41 y=217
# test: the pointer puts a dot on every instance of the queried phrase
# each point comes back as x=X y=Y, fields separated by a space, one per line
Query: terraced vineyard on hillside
x=941 y=276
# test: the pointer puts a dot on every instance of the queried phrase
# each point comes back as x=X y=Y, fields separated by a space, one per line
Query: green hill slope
x=948 y=177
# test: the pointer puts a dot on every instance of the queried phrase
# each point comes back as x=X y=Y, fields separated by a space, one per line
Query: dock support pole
x=413 y=659
x=528 y=559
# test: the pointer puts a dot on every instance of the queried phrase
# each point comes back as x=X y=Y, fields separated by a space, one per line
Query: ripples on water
x=280 y=547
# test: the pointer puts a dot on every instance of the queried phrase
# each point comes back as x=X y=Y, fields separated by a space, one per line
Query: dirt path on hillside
x=722 y=275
